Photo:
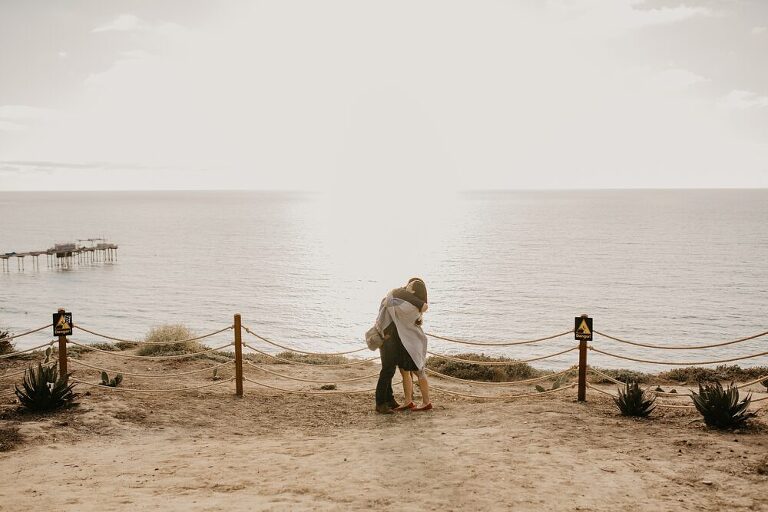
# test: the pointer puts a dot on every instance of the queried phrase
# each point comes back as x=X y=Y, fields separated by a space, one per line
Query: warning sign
x=583 y=328
x=62 y=324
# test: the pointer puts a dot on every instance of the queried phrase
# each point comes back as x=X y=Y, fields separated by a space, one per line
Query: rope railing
x=501 y=363
x=331 y=381
x=16 y=353
x=503 y=397
x=265 y=340
x=302 y=363
x=137 y=342
x=498 y=343
x=152 y=358
x=680 y=347
x=313 y=392
x=13 y=374
x=152 y=375
x=11 y=338
x=159 y=390
x=504 y=383
x=675 y=363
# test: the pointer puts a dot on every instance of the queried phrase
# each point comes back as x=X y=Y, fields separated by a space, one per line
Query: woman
x=400 y=317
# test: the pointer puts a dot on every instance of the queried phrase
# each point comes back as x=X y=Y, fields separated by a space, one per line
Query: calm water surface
x=310 y=270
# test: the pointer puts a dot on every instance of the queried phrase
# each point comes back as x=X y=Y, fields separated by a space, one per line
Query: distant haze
x=347 y=96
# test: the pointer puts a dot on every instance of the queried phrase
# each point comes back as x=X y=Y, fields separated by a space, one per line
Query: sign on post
x=583 y=328
x=62 y=324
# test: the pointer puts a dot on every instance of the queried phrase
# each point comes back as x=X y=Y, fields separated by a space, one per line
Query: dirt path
x=200 y=451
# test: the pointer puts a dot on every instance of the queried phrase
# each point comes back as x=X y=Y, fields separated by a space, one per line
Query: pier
x=64 y=256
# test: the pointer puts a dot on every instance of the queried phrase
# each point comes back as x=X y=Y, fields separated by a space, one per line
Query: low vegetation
x=113 y=382
x=721 y=407
x=10 y=437
x=623 y=375
x=6 y=347
x=44 y=390
x=514 y=370
x=633 y=401
x=171 y=339
x=697 y=374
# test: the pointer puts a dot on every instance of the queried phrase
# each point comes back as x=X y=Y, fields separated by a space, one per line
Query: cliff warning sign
x=583 y=328
x=62 y=324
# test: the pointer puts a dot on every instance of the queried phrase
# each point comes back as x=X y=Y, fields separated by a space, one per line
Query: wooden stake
x=238 y=356
x=582 y=396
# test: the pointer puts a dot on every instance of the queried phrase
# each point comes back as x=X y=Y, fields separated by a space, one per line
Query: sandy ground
x=209 y=450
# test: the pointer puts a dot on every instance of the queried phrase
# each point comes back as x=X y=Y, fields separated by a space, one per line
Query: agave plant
x=720 y=407
x=113 y=382
x=43 y=390
x=632 y=401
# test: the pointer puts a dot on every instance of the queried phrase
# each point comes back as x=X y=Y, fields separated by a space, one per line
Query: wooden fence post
x=238 y=356
x=582 y=395
x=62 y=354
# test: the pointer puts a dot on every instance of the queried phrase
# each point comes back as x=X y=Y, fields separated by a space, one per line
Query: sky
x=361 y=96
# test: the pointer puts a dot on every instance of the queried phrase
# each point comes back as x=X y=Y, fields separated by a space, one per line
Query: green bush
x=514 y=370
x=6 y=347
x=43 y=390
x=171 y=338
x=721 y=407
x=697 y=374
x=623 y=375
x=632 y=401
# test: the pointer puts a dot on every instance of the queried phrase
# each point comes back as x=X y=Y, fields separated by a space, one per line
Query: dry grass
x=171 y=337
x=728 y=373
x=515 y=370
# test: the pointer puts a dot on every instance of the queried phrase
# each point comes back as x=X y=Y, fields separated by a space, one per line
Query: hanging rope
x=164 y=390
x=9 y=338
x=12 y=374
x=676 y=363
x=354 y=379
x=495 y=343
x=309 y=392
x=153 y=358
x=17 y=352
x=196 y=338
x=502 y=397
x=505 y=383
x=501 y=363
x=759 y=379
x=680 y=347
x=152 y=375
x=289 y=361
x=265 y=340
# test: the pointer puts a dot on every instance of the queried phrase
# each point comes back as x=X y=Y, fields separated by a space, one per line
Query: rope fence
x=238 y=360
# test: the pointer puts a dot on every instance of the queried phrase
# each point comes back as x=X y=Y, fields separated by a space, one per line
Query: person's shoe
x=427 y=407
x=384 y=409
x=406 y=407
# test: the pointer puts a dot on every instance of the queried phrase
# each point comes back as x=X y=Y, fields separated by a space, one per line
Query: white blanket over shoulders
x=404 y=315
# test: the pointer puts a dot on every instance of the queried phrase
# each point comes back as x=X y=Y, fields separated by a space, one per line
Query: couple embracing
x=402 y=344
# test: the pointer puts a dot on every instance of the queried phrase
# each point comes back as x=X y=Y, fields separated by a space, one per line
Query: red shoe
x=427 y=407
x=406 y=407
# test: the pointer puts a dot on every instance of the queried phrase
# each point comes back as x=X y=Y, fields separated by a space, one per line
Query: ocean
x=309 y=269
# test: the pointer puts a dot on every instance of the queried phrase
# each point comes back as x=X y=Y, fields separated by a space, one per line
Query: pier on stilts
x=64 y=256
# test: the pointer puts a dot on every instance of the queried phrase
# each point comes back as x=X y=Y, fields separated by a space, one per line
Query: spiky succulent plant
x=632 y=401
x=43 y=390
x=721 y=407
x=113 y=382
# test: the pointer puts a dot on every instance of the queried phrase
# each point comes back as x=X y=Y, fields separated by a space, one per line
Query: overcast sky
x=345 y=95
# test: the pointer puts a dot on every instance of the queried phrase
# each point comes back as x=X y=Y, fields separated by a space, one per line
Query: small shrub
x=328 y=387
x=724 y=372
x=113 y=382
x=171 y=338
x=125 y=345
x=216 y=375
x=6 y=347
x=632 y=401
x=622 y=374
x=721 y=407
x=310 y=358
x=515 y=370
x=43 y=390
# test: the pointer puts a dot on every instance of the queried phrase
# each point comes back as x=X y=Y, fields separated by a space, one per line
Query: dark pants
x=388 y=353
